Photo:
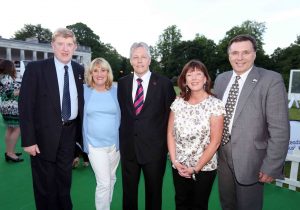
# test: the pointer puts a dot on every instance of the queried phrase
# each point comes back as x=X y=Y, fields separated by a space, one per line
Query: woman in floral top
x=194 y=135
x=9 y=93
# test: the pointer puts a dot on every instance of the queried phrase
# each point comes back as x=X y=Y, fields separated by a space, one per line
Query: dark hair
x=194 y=65
x=242 y=38
x=8 y=67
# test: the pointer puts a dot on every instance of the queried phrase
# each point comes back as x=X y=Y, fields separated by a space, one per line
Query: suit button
x=135 y=134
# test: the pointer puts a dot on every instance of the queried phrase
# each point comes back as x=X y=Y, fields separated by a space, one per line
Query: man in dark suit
x=51 y=107
x=256 y=128
x=145 y=98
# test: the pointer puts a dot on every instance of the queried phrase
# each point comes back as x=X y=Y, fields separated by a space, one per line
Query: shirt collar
x=145 y=77
x=60 y=65
x=244 y=75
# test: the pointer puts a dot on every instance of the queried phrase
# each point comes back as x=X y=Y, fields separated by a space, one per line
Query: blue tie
x=66 y=101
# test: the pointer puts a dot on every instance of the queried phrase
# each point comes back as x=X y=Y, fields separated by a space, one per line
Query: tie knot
x=66 y=67
x=237 y=78
x=139 y=80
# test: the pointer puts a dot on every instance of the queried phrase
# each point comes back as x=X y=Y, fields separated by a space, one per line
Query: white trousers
x=104 y=161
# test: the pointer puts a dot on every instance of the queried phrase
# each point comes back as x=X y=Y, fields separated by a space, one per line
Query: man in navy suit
x=49 y=135
x=143 y=129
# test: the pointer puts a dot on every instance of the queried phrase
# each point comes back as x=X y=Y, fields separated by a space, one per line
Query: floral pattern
x=9 y=102
x=192 y=129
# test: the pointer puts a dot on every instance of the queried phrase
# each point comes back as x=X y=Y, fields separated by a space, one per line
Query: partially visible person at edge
x=255 y=142
x=9 y=94
x=194 y=135
x=51 y=110
x=101 y=129
x=145 y=98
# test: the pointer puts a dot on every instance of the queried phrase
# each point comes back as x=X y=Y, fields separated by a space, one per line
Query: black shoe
x=18 y=153
x=15 y=160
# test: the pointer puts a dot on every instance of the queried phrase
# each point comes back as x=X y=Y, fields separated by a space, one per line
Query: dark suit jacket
x=260 y=129
x=39 y=106
x=145 y=136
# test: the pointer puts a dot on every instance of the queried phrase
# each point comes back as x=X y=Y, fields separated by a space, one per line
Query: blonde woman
x=101 y=122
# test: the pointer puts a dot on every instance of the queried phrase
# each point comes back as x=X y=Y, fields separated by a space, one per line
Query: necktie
x=139 y=97
x=229 y=108
x=66 y=101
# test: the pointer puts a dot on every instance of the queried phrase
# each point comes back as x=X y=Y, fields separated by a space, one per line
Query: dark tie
x=66 y=101
x=229 y=107
x=139 y=97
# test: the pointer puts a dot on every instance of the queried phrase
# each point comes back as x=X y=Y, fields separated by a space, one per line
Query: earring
x=186 y=89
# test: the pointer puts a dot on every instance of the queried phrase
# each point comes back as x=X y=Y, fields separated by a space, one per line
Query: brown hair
x=8 y=67
x=193 y=65
x=243 y=38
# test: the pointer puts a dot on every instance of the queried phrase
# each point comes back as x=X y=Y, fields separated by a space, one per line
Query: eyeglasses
x=242 y=54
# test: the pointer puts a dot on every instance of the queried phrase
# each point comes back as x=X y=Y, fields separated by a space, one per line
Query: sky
x=123 y=22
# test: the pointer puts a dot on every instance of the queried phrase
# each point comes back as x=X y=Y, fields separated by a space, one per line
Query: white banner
x=294 y=146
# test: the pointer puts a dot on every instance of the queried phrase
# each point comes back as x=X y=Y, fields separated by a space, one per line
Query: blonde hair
x=103 y=64
x=65 y=33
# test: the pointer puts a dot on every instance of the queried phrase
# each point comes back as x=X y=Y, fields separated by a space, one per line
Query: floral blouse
x=192 y=129
x=9 y=102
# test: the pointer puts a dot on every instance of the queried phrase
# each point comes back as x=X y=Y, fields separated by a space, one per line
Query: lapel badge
x=154 y=83
x=254 y=80
x=79 y=77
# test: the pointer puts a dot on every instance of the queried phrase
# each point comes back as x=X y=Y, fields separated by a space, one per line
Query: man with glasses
x=256 y=128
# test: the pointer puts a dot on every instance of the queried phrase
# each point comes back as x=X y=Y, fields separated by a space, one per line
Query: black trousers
x=52 y=180
x=190 y=194
x=153 y=175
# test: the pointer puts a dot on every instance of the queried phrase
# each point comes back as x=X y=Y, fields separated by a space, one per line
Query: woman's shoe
x=18 y=153
x=15 y=160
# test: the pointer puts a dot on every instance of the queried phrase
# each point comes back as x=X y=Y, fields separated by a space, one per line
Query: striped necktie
x=139 y=97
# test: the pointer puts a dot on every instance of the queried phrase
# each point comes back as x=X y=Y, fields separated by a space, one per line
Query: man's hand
x=32 y=150
x=265 y=178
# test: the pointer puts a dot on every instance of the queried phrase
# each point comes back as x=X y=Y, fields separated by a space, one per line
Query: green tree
x=43 y=35
x=257 y=30
x=286 y=59
x=170 y=37
x=86 y=36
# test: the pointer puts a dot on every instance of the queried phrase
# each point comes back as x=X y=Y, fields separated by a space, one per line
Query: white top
x=192 y=130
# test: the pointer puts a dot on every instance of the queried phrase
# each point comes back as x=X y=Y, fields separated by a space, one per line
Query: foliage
x=86 y=36
x=286 y=59
x=43 y=35
x=165 y=46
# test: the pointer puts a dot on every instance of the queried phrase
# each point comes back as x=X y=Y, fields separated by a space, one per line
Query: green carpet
x=16 y=189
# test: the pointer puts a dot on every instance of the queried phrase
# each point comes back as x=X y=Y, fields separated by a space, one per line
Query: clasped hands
x=183 y=170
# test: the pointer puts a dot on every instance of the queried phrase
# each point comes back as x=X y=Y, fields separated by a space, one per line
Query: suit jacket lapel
x=224 y=84
x=151 y=90
x=128 y=92
x=249 y=84
x=79 y=86
x=52 y=83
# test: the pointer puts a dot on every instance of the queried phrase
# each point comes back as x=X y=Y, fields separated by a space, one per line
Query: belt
x=68 y=123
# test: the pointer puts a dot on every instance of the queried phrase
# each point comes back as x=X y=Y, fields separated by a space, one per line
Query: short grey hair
x=140 y=44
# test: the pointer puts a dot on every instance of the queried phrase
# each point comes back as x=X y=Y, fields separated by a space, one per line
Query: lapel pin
x=254 y=80
x=79 y=77
x=154 y=83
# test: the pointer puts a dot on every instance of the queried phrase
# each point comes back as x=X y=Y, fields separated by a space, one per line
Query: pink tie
x=139 y=97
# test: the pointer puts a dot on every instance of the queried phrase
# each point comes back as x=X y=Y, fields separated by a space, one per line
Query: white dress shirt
x=60 y=72
x=145 y=83
x=241 y=82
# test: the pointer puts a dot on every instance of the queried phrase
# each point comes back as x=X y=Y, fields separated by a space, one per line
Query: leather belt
x=68 y=123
